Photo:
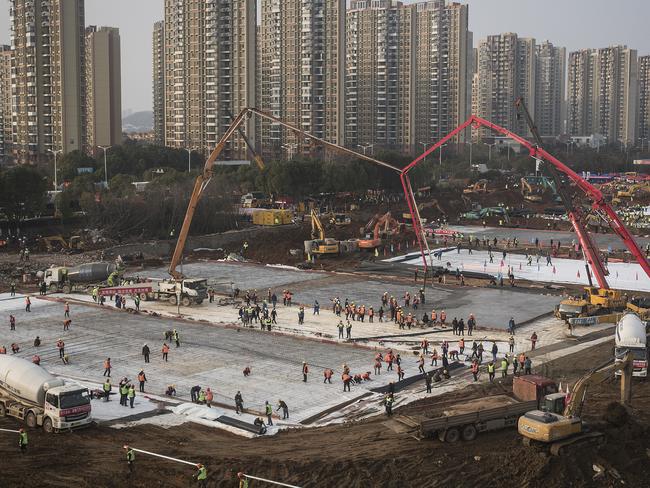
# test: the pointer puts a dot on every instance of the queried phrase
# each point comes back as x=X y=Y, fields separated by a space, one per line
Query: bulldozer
x=58 y=243
x=594 y=301
x=558 y=424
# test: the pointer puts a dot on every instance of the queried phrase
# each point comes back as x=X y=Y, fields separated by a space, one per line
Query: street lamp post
x=470 y=153
x=568 y=145
x=105 y=148
x=189 y=159
x=440 y=154
x=290 y=148
x=56 y=185
x=424 y=145
x=490 y=149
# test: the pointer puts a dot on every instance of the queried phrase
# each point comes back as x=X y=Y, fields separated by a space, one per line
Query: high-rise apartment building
x=550 y=88
x=47 y=38
x=302 y=72
x=643 y=133
x=103 y=88
x=444 y=59
x=381 y=74
x=159 y=82
x=603 y=93
x=506 y=71
x=209 y=64
x=5 y=103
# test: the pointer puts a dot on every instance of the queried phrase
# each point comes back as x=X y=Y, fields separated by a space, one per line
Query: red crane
x=598 y=203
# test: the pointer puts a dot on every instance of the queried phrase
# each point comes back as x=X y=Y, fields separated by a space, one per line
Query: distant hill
x=138 y=122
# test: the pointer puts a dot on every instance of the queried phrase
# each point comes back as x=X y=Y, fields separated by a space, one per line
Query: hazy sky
x=571 y=23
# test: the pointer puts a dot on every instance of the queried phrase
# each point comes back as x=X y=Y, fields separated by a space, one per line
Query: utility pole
x=490 y=149
x=59 y=151
x=189 y=159
x=105 y=148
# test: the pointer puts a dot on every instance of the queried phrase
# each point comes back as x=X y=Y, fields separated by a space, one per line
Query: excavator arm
x=317 y=230
x=600 y=373
x=206 y=175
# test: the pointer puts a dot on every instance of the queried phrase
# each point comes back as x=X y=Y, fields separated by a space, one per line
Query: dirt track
x=354 y=455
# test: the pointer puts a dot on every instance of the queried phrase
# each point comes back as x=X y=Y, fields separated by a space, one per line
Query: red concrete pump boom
x=598 y=203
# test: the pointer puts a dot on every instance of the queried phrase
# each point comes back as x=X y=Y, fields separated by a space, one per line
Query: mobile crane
x=559 y=423
x=204 y=178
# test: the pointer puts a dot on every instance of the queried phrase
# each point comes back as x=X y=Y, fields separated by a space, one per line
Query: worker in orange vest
x=434 y=316
x=425 y=346
x=142 y=378
x=165 y=351
x=209 y=397
x=107 y=367
x=443 y=317
x=328 y=375
x=475 y=370
x=461 y=346
x=61 y=346
x=305 y=371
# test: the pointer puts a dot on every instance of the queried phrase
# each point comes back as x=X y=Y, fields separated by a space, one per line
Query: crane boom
x=206 y=175
x=591 y=253
x=317 y=230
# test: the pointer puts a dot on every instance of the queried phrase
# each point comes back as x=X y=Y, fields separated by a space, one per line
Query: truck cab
x=67 y=407
x=54 y=277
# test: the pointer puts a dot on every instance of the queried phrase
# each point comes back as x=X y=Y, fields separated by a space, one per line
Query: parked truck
x=185 y=291
x=631 y=337
x=467 y=419
x=80 y=278
x=31 y=394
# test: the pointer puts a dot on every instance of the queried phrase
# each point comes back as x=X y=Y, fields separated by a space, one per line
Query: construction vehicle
x=80 y=278
x=639 y=306
x=58 y=243
x=385 y=226
x=272 y=217
x=528 y=193
x=479 y=187
x=467 y=419
x=203 y=179
x=594 y=301
x=631 y=337
x=185 y=292
x=31 y=394
x=558 y=424
x=319 y=244
x=432 y=204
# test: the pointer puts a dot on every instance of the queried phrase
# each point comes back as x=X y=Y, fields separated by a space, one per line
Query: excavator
x=528 y=193
x=478 y=187
x=559 y=424
x=321 y=245
x=385 y=225
x=51 y=243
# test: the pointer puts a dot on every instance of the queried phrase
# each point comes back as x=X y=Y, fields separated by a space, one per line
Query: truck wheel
x=452 y=435
x=144 y=297
x=53 y=287
x=199 y=301
x=186 y=302
x=469 y=432
x=47 y=425
x=3 y=410
x=30 y=420
x=172 y=300
x=67 y=289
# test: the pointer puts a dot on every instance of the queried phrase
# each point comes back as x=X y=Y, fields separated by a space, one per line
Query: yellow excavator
x=559 y=423
x=528 y=193
x=594 y=301
x=321 y=245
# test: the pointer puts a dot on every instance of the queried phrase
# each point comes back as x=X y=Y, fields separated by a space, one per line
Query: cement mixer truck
x=31 y=394
x=631 y=336
x=80 y=278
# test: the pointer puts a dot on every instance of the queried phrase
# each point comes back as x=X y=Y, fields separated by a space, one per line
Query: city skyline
x=556 y=23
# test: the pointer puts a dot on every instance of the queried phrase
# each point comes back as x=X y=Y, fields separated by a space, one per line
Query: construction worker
x=421 y=364
x=424 y=345
x=305 y=371
x=107 y=367
x=285 y=409
x=12 y=322
x=130 y=458
x=137 y=302
x=400 y=373
x=475 y=370
x=209 y=397
x=239 y=403
x=37 y=341
x=327 y=374
x=427 y=381
x=194 y=393
x=94 y=293
x=176 y=338
x=201 y=399
x=22 y=440
x=165 y=351
x=66 y=310
x=61 y=347
x=107 y=387
x=268 y=409
x=528 y=366
x=131 y=395
x=348 y=330
x=13 y=288
x=388 y=404
x=3 y=350
x=347 y=381
x=201 y=475
x=124 y=391
x=490 y=369
x=533 y=341
x=28 y=304
x=340 y=327
x=511 y=343
x=66 y=324
x=504 y=366
x=142 y=378
x=495 y=350
x=378 y=365
x=145 y=352
x=434 y=357
x=243 y=481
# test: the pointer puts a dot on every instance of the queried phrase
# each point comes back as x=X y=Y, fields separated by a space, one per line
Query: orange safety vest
x=107 y=364
x=443 y=316
x=209 y=396
x=474 y=367
x=305 y=369
x=141 y=377
x=165 y=348
x=434 y=316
